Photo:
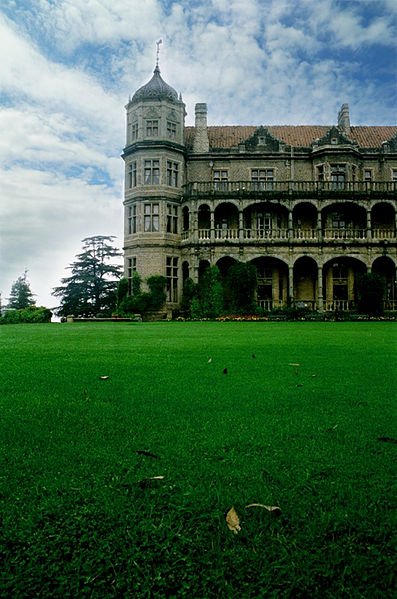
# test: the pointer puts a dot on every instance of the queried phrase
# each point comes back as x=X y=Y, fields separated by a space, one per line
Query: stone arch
x=339 y=274
x=226 y=221
x=304 y=219
x=185 y=218
x=185 y=271
x=265 y=220
x=224 y=264
x=305 y=277
x=204 y=217
x=272 y=278
x=386 y=268
x=383 y=217
x=344 y=220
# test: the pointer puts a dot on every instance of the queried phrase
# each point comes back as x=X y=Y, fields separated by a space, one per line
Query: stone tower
x=154 y=175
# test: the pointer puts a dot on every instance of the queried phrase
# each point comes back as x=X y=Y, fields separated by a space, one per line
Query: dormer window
x=152 y=128
x=334 y=141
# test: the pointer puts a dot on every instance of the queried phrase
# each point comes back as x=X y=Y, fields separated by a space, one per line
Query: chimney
x=344 y=119
x=201 y=143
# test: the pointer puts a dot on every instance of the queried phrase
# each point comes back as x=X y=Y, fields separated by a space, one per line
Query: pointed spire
x=158 y=55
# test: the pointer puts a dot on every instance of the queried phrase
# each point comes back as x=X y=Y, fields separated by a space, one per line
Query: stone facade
x=310 y=206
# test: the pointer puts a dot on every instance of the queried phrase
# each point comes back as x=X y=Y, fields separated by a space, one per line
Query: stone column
x=240 y=226
x=369 y=227
x=290 y=225
x=291 y=284
x=320 y=301
x=212 y=225
x=319 y=227
x=195 y=225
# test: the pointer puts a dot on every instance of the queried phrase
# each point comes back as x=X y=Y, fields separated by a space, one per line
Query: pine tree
x=20 y=294
x=91 y=288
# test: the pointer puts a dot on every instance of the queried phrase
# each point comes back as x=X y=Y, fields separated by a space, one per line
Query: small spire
x=158 y=54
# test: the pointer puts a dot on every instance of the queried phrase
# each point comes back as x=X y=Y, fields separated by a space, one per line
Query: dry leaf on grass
x=103 y=378
x=293 y=364
x=147 y=453
x=209 y=361
x=233 y=521
x=269 y=508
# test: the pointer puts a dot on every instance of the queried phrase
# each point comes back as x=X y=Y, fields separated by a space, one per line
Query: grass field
x=81 y=516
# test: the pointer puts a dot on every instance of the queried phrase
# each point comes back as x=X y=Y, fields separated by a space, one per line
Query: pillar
x=290 y=225
x=369 y=227
x=240 y=226
x=212 y=225
x=320 y=301
x=291 y=284
x=319 y=227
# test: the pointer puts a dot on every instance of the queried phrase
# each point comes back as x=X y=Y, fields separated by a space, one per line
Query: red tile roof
x=300 y=135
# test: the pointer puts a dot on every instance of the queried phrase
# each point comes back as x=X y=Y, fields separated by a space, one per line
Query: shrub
x=157 y=296
x=212 y=304
x=189 y=293
x=122 y=291
x=31 y=314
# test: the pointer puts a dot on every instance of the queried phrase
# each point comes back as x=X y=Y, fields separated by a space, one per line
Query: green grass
x=78 y=518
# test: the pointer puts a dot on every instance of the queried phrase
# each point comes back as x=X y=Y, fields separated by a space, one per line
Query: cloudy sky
x=68 y=66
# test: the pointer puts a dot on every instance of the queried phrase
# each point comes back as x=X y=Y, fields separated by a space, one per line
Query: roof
x=155 y=88
x=297 y=136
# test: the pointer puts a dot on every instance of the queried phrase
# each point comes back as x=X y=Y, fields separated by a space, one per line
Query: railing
x=265 y=233
x=383 y=233
x=345 y=233
x=269 y=304
x=283 y=233
x=305 y=233
x=339 y=305
x=390 y=304
x=309 y=304
x=241 y=188
x=226 y=233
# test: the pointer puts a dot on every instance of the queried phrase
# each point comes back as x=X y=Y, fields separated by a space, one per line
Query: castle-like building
x=309 y=206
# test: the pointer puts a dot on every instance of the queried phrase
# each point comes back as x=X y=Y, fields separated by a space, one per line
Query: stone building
x=310 y=206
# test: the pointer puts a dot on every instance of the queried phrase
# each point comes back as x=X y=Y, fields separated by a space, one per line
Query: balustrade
x=297 y=234
x=345 y=233
x=339 y=305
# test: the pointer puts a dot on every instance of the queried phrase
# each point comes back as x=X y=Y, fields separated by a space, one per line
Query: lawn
x=303 y=419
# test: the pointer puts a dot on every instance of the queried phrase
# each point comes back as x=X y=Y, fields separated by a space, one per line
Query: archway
x=305 y=221
x=204 y=217
x=344 y=221
x=272 y=277
x=339 y=277
x=185 y=271
x=185 y=213
x=305 y=283
x=226 y=221
x=265 y=221
x=224 y=264
x=386 y=268
x=383 y=221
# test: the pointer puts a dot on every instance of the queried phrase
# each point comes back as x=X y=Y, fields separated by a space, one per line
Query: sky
x=68 y=67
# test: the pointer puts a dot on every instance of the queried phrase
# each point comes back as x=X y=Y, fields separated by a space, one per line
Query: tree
x=91 y=289
x=20 y=294
x=212 y=304
x=370 y=290
x=242 y=280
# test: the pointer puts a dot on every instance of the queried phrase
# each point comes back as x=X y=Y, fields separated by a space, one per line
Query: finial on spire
x=158 y=52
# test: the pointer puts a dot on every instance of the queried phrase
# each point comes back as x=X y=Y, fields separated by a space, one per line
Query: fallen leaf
x=299 y=385
x=314 y=375
x=233 y=521
x=253 y=355
x=269 y=508
x=224 y=371
x=154 y=478
x=209 y=361
x=293 y=364
x=148 y=453
x=103 y=378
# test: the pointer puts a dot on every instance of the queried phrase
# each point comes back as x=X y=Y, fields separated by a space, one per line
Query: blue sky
x=68 y=67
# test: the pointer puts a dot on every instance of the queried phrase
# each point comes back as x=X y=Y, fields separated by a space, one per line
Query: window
x=220 y=179
x=354 y=172
x=131 y=177
x=368 y=176
x=134 y=131
x=172 y=218
x=338 y=176
x=152 y=172
x=131 y=268
x=172 y=279
x=171 y=130
x=131 y=219
x=394 y=175
x=320 y=172
x=152 y=128
x=172 y=174
x=262 y=178
x=151 y=218
x=338 y=221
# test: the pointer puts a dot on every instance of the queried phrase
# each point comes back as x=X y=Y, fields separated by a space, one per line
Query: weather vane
x=158 y=51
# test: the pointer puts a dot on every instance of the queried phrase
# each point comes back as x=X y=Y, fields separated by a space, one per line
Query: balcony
x=284 y=234
x=290 y=189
